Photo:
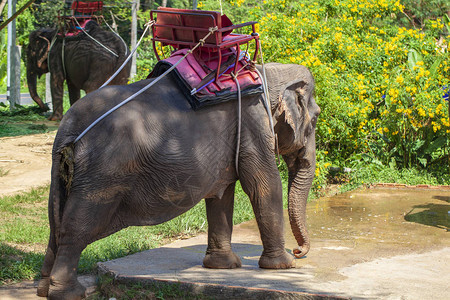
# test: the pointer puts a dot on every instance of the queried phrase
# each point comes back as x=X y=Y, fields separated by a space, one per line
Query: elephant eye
x=314 y=120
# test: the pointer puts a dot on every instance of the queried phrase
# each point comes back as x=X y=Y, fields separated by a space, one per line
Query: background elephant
x=86 y=64
x=155 y=158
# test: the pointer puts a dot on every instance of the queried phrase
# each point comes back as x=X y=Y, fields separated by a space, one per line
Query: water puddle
x=365 y=225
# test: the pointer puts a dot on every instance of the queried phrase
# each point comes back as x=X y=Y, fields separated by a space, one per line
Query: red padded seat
x=183 y=28
x=86 y=8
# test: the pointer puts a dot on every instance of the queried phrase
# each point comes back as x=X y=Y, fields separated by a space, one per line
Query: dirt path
x=25 y=162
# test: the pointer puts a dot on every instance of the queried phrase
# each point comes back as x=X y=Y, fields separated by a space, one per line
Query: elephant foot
x=44 y=107
x=67 y=291
x=221 y=260
x=55 y=117
x=43 y=286
x=282 y=261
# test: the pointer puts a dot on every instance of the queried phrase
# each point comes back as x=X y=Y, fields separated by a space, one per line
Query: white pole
x=134 y=8
x=13 y=64
x=48 y=91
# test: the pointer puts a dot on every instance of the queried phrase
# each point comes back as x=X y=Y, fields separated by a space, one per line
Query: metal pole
x=48 y=92
x=194 y=5
x=134 y=8
x=13 y=65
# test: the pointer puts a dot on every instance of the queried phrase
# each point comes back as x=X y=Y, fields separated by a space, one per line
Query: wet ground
x=366 y=244
x=372 y=244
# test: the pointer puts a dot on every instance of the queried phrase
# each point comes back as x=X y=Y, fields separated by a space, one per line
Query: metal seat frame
x=182 y=28
x=68 y=23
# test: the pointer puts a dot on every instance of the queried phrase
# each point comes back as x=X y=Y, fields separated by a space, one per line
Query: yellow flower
x=421 y=112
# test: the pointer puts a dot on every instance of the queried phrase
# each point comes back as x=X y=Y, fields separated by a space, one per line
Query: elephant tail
x=61 y=181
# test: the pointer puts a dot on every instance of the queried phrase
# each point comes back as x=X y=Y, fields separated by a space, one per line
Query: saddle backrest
x=86 y=8
x=183 y=25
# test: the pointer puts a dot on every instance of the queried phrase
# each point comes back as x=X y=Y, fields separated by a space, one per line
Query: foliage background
x=381 y=68
x=382 y=76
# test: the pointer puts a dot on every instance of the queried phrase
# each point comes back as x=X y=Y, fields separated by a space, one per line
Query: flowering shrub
x=381 y=87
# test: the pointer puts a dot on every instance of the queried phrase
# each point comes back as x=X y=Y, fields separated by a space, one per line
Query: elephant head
x=295 y=113
x=37 y=61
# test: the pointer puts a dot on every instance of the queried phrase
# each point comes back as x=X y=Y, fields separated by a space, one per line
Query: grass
x=3 y=172
x=23 y=120
x=108 y=288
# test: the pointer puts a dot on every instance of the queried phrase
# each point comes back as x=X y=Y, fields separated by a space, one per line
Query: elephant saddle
x=206 y=75
x=196 y=76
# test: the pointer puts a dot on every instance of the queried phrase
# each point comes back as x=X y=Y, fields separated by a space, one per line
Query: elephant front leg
x=220 y=226
x=74 y=92
x=265 y=192
x=57 y=89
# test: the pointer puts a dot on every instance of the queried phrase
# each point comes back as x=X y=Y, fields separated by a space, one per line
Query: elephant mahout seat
x=82 y=13
x=207 y=75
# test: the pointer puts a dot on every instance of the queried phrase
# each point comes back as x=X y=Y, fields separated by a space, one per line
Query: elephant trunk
x=32 y=88
x=301 y=174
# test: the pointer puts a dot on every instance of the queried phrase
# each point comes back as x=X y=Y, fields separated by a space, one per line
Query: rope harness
x=147 y=26
x=201 y=42
x=46 y=56
x=85 y=32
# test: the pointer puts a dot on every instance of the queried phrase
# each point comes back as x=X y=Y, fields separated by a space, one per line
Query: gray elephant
x=84 y=63
x=154 y=158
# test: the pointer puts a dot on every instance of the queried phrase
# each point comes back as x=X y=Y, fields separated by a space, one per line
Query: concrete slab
x=372 y=244
x=25 y=99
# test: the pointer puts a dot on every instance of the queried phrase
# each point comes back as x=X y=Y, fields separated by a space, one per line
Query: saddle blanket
x=75 y=31
x=196 y=76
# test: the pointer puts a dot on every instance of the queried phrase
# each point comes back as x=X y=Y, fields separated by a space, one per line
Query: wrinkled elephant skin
x=80 y=61
x=155 y=158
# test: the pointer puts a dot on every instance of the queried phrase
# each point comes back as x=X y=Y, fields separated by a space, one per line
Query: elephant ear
x=39 y=46
x=296 y=113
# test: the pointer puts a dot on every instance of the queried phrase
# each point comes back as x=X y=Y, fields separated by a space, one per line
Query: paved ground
x=25 y=99
x=372 y=244
x=378 y=243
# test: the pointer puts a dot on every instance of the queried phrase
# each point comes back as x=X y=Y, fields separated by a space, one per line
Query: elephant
x=155 y=157
x=84 y=63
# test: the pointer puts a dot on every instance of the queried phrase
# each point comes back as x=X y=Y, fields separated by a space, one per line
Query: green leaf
x=413 y=58
x=423 y=161
x=417 y=144
x=436 y=144
x=393 y=164
x=435 y=65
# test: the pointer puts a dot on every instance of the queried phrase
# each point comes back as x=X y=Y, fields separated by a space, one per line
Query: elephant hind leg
x=83 y=222
x=44 y=282
x=220 y=226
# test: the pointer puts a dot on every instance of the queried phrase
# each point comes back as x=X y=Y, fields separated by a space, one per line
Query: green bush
x=380 y=86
